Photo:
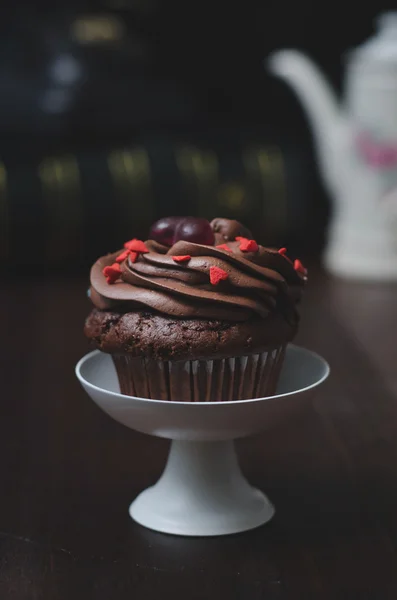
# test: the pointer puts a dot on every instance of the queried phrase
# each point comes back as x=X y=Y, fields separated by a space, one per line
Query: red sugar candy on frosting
x=122 y=256
x=299 y=267
x=224 y=247
x=112 y=273
x=136 y=246
x=217 y=274
x=183 y=258
x=283 y=252
x=127 y=253
x=247 y=245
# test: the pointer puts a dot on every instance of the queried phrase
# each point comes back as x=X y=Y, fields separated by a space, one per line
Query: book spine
x=4 y=216
x=249 y=187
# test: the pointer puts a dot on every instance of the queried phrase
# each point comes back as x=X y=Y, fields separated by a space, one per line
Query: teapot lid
x=381 y=47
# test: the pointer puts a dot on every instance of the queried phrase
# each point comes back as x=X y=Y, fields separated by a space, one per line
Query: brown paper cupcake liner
x=220 y=380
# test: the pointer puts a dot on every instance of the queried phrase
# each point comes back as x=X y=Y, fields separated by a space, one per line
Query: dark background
x=87 y=79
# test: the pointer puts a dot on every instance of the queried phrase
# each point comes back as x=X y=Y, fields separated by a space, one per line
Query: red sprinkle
x=299 y=267
x=217 y=274
x=183 y=258
x=136 y=246
x=247 y=245
x=112 y=273
x=127 y=254
x=283 y=252
x=224 y=247
x=122 y=256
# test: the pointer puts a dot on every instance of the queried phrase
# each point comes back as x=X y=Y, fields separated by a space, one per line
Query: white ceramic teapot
x=357 y=150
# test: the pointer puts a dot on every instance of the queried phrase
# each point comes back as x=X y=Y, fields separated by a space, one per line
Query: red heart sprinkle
x=122 y=256
x=183 y=258
x=217 y=274
x=136 y=246
x=132 y=256
x=112 y=273
x=224 y=247
x=283 y=252
x=247 y=245
x=299 y=267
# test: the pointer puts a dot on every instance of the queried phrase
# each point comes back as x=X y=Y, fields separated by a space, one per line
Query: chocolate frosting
x=258 y=283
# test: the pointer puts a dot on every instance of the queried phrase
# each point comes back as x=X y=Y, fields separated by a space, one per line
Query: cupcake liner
x=234 y=378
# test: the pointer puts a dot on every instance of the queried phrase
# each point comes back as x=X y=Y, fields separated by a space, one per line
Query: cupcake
x=199 y=312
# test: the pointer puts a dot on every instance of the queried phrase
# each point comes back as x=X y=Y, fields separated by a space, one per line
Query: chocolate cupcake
x=199 y=312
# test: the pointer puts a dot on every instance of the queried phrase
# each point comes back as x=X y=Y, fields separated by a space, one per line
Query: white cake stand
x=202 y=491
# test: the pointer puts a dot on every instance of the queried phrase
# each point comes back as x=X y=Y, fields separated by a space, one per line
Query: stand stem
x=201 y=492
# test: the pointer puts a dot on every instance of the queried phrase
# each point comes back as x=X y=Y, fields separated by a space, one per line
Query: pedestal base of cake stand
x=202 y=492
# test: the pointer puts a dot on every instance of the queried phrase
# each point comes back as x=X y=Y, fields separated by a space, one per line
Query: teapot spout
x=320 y=102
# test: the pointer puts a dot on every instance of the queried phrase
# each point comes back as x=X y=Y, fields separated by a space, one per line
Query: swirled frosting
x=255 y=282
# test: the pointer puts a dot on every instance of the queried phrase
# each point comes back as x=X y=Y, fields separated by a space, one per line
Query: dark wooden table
x=68 y=472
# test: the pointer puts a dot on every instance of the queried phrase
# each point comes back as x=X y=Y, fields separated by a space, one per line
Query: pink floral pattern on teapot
x=376 y=153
